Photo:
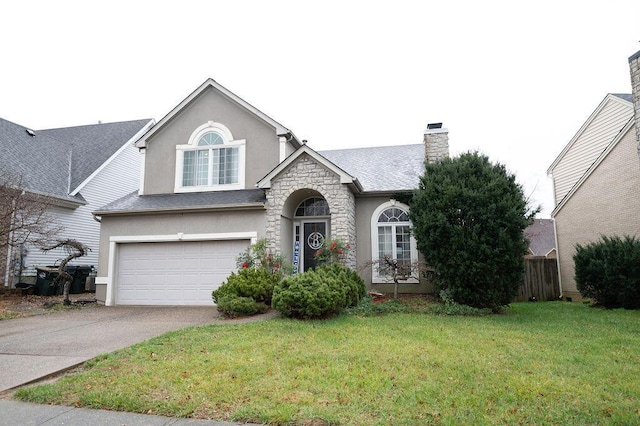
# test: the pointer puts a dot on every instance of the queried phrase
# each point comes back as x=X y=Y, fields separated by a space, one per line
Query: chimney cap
x=435 y=128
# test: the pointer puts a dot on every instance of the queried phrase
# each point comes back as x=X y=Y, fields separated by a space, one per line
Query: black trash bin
x=45 y=285
x=80 y=273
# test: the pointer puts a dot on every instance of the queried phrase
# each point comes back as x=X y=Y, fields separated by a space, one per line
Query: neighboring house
x=596 y=179
x=219 y=174
x=78 y=169
x=542 y=238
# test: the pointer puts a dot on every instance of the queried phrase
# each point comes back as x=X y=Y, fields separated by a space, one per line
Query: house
x=77 y=169
x=542 y=238
x=219 y=174
x=596 y=179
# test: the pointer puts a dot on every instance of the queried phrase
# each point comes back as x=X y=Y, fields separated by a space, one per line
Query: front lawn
x=539 y=363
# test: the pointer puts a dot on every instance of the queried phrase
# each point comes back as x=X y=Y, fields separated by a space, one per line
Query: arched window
x=211 y=160
x=391 y=237
x=314 y=206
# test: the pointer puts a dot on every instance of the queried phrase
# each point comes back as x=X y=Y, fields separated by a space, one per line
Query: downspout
x=555 y=236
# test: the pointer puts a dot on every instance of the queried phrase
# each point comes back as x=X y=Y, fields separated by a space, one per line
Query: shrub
x=609 y=271
x=347 y=277
x=259 y=255
x=469 y=217
x=450 y=307
x=255 y=283
x=366 y=308
x=312 y=294
x=235 y=306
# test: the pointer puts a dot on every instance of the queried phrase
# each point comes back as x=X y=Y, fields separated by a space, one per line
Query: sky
x=512 y=80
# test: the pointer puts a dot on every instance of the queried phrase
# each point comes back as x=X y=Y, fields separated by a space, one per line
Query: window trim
x=192 y=145
x=375 y=277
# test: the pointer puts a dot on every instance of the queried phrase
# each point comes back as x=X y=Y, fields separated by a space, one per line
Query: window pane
x=202 y=167
x=385 y=242
x=314 y=206
x=188 y=168
x=403 y=244
x=211 y=139
x=393 y=214
x=215 y=174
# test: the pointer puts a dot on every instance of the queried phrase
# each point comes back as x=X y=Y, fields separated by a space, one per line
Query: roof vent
x=434 y=126
x=304 y=141
x=30 y=132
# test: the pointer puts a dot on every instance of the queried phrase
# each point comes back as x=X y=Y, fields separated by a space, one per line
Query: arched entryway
x=311 y=225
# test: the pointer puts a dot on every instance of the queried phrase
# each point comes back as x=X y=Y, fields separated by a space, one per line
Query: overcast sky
x=511 y=79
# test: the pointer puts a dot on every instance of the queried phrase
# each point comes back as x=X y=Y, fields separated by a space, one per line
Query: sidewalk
x=26 y=414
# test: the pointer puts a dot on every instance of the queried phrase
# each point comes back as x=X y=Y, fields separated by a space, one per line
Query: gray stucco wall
x=262 y=144
x=168 y=224
x=365 y=207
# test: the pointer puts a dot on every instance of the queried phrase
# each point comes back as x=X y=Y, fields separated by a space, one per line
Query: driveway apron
x=35 y=347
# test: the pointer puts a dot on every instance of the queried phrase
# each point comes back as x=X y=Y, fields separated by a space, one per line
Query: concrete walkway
x=35 y=348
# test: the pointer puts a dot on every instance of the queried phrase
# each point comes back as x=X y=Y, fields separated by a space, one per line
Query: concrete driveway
x=35 y=347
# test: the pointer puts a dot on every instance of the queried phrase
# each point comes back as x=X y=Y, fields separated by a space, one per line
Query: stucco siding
x=117 y=179
x=606 y=203
x=168 y=224
x=262 y=144
x=365 y=207
x=589 y=145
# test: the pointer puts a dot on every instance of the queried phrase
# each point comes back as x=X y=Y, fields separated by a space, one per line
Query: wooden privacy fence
x=540 y=280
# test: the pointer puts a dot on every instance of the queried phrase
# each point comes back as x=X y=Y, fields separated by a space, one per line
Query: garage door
x=174 y=273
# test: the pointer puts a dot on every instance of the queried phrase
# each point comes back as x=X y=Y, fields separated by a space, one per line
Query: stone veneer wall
x=307 y=173
x=436 y=144
x=634 y=68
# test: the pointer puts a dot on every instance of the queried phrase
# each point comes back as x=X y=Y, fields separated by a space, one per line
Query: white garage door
x=174 y=273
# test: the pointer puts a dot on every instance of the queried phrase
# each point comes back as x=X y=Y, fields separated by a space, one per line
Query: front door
x=314 y=235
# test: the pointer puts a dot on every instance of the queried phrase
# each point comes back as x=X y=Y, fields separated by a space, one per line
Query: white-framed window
x=391 y=238
x=211 y=161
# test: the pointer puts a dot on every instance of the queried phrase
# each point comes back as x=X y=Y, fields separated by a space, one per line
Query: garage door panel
x=174 y=273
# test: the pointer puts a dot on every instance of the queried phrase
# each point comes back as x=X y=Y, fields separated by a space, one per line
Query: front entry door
x=314 y=235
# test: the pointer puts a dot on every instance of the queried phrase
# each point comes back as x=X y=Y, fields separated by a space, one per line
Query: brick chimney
x=436 y=142
x=634 y=67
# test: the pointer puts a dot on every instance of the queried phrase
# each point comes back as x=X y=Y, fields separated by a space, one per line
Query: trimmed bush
x=318 y=294
x=235 y=306
x=609 y=271
x=255 y=283
x=352 y=282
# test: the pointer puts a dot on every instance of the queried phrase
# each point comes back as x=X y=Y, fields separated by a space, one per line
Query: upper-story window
x=211 y=161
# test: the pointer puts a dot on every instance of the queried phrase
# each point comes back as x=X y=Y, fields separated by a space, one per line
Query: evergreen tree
x=468 y=218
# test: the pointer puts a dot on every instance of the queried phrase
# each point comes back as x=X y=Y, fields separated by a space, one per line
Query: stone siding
x=436 y=145
x=307 y=173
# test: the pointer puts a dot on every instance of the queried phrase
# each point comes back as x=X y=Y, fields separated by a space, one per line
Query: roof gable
x=210 y=83
x=345 y=177
x=624 y=99
x=628 y=127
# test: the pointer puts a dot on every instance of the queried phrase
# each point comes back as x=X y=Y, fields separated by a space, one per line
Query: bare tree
x=398 y=271
x=24 y=215
x=74 y=249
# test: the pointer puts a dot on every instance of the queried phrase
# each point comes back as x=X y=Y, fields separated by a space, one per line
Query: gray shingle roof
x=541 y=236
x=195 y=200
x=93 y=144
x=382 y=168
x=41 y=161
x=626 y=96
x=55 y=161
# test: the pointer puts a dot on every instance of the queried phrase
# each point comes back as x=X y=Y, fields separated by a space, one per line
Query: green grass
x=538 y=363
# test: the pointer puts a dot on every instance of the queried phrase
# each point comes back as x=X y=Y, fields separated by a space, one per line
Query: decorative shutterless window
x=391 y=237
x=211 y=161
x=314 y=206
